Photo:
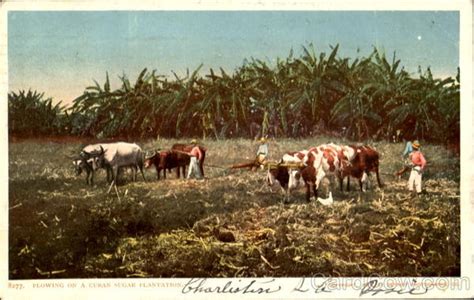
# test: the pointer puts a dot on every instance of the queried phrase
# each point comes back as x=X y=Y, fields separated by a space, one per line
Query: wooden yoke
x=290 y=165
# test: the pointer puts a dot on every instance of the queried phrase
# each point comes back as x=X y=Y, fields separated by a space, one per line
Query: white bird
x=327 y=201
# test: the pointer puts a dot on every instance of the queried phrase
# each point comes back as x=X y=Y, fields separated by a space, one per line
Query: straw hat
x=263 y=140
x=415 y=144
x=194 y=141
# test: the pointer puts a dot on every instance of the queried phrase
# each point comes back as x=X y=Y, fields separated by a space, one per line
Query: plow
x=250 y=164
x=253 y=165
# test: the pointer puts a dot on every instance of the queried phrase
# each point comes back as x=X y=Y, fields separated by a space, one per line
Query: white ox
x=87 y=161
x=113 y=156
x=89 y=151
x=86 y=166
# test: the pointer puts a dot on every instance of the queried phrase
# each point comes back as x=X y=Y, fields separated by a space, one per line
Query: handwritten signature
x=372 y=288
x=325 y=287
x=269 y=286
x=201 y=285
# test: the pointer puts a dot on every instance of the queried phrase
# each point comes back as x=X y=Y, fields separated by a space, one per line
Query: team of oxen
x=309 y=167
x=115 y=156
x=295 y=169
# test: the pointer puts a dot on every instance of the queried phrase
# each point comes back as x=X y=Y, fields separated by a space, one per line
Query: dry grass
x=230 y=224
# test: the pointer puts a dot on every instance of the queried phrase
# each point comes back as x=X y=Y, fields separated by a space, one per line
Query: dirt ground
x=230 y=224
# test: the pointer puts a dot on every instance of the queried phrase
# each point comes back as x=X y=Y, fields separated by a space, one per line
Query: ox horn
x=85 y=154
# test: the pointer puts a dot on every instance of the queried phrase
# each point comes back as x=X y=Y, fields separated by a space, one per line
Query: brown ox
x=366 y=160
x=179 y=148
x=168 y=160
x=171 y=159
x=154 y=160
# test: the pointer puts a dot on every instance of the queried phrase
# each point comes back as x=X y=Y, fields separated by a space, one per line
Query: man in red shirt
x=418 y=162
x=195 y=156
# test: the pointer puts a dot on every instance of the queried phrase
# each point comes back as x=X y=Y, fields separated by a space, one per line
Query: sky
x=62 y=52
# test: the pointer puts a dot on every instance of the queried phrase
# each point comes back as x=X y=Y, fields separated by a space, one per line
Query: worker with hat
x=262 y=152
x=418 y=163
x=195 y=157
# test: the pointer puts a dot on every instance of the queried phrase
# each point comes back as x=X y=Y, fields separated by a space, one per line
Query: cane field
x=231 y=223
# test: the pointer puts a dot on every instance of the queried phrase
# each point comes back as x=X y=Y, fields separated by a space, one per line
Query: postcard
x=236 y=149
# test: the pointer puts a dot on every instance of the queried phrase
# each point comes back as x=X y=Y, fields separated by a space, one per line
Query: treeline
x=364 y=98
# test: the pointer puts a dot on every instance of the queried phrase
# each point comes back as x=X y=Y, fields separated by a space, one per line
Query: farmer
x=405 y=157
x=418 y=163
x=262 y=152
x=195 y=157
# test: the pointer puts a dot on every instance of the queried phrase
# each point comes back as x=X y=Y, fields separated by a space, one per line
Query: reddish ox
x=188 y=148
x=309 y=175
x=366 y=160
x=168 y=160
x=154 y=160
x=171 y=159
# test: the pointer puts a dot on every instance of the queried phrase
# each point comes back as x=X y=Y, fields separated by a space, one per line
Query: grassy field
x=61 y=228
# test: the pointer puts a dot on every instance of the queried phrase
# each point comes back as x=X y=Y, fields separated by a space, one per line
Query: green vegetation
x=61 y=228
x=364 y=98
x=232 y=224
x=30 y=114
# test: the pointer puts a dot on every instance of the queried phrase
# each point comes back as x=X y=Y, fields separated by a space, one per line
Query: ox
x=289 y=174
x=117 y=155
x=88 y=161
x=294 y=157
x=344 y=161
x=291 y=178
x=364 y=161
x=322 y=161
x=154 y=160
x=183 y=149
x=87 y=166
x=325 y=160
x=167 y=160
